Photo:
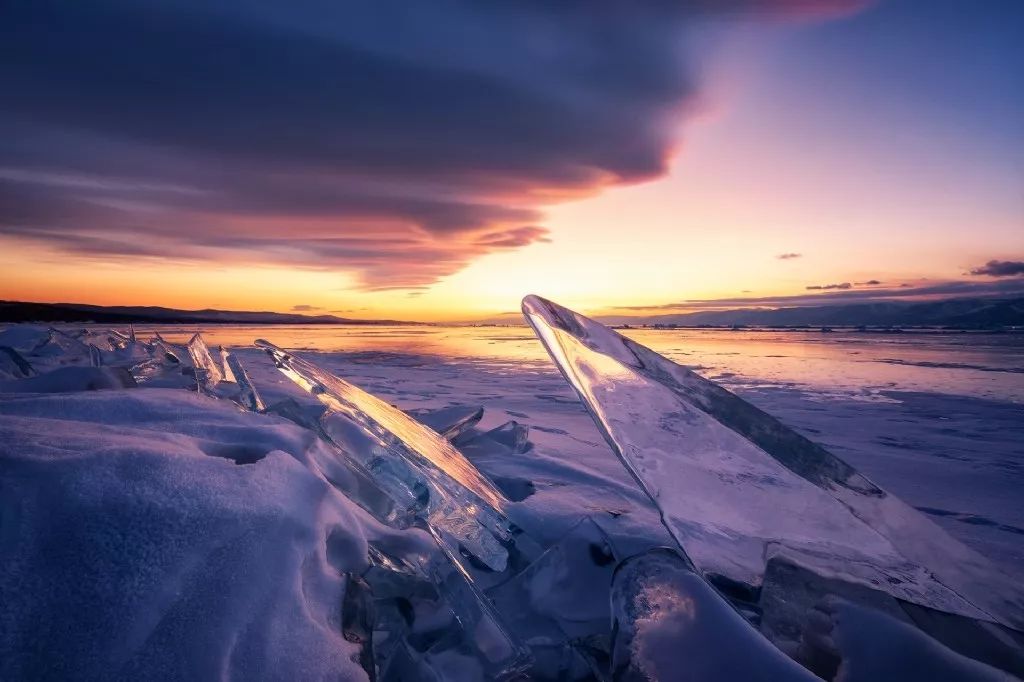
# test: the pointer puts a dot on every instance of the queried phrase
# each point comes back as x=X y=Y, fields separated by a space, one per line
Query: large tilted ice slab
x=431 y=480
x=736 y=487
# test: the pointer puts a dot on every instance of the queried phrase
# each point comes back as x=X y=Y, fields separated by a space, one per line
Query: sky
x=438 y=161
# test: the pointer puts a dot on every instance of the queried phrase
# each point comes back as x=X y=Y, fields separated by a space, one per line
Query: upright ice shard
x=247 y=394
x=208 y=374
x=737 y=488
x=228 y=374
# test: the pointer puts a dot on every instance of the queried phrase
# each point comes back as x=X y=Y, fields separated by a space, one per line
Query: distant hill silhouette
x=965 y=313
x=18 y=311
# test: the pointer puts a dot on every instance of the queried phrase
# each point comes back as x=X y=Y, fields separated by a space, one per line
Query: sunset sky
x=439 y=160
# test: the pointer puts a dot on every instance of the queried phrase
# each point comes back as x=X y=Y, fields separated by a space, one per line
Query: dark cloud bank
x=396 y=140
x=1000 y=268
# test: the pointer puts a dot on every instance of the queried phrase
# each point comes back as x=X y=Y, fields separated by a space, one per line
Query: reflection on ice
x=736 y=487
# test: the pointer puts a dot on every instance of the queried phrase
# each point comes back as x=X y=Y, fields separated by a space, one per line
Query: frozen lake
x=937 y=418
x=174 y=528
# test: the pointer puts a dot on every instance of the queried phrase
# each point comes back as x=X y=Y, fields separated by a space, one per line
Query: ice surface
x=208 y=374
x=669 y=624
x=735 y=486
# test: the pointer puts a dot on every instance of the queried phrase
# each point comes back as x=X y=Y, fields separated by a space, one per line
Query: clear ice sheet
x=735 y=486
x=248 y=396
x=208 y=374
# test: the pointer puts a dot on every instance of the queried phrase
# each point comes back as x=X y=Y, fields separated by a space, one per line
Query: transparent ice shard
x=667 y=619
x=119 y=340
x=208 y=374
x=228 y=374
x=425 y=475
x=164 y=352
x=396 y=434
x=735 y=486
x=247 y=394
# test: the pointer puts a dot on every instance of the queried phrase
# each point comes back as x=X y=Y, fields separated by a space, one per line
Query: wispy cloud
x=789 y=256
x=303 y=308
x=923 y=291
x=825 y=287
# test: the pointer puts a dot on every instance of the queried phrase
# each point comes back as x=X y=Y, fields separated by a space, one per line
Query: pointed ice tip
x=532 y=303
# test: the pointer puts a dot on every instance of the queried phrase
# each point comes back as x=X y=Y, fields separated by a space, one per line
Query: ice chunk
x=452 y=421
x=228 y=374
x=512 y=435
x=670 y=624
x=247 y=394
x=730 y=480
x=12 y=365
x=61 y=348
x=164 y=352
x=208 y=374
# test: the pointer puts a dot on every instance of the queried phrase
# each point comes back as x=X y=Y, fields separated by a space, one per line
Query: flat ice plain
x=250 y=590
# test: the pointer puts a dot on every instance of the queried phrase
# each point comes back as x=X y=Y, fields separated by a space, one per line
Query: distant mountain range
x=964 y=313
x=19 y=311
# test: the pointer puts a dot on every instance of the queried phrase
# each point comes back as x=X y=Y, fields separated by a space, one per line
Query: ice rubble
x=383 y=552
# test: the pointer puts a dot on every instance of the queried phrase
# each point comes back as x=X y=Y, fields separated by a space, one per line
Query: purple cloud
x=825 y=287
x=396 y=142
x=1007 y=287
x=1000 y=268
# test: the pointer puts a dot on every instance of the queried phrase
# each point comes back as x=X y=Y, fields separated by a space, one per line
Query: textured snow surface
x=161 y=534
